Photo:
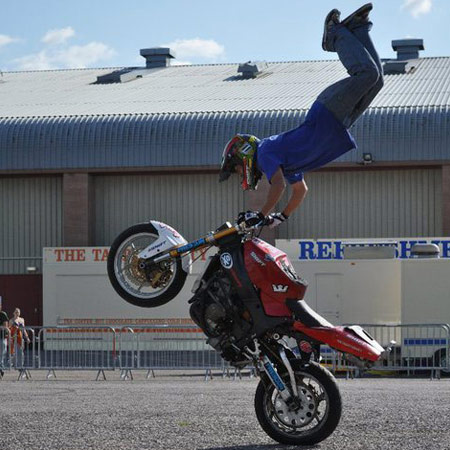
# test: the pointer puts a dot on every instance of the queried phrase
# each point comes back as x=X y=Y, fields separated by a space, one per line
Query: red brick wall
x=24 y=292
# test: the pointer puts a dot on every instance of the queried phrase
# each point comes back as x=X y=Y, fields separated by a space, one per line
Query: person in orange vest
x=18 y=333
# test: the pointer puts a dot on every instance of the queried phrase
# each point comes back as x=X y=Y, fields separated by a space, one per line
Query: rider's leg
x=343 y=97
x=361 y=31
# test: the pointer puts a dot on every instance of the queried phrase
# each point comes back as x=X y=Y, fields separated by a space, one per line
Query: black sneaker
x=331 y=19
x=361 y=15
x=1 y=373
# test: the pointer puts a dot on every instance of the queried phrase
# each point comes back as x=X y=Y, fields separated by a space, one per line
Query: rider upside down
x=324 y=135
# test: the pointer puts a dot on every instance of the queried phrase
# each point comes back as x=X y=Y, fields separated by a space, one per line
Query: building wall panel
x=193 y=204
x=369 y=204
x=30 y=219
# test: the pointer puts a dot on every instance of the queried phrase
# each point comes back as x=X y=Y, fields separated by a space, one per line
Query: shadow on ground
x=263 y=447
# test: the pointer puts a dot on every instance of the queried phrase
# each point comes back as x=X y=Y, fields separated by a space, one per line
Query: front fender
x=168 y=238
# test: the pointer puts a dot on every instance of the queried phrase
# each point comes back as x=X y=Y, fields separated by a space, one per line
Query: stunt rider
x=324 y=135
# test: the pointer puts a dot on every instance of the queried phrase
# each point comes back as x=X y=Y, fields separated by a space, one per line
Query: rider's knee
x=371 y=75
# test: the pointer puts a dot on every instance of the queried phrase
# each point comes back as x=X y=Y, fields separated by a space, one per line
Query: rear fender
x=353 y=340
x=365 y=336
x=168 y=238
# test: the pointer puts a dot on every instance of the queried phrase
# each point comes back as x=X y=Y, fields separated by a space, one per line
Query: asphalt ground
x=172 y=412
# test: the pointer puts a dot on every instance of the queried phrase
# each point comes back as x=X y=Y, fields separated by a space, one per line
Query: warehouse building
x=86 y=153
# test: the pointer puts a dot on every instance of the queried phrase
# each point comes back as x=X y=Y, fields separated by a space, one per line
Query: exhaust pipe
x=366 y=364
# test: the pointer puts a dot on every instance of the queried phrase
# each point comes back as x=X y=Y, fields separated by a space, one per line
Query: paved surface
x=75 y=412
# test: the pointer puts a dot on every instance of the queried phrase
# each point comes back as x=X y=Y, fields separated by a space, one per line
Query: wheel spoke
x=321 y=397
x=120 y=270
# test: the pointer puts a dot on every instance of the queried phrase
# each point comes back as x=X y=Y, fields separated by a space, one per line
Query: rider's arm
x=277 y=186
x=299 y=190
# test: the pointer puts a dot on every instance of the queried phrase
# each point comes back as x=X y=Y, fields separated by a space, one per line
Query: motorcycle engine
x=221 y=316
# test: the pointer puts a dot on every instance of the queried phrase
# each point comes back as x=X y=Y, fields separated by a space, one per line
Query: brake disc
x=135 y=272
x=300 y=416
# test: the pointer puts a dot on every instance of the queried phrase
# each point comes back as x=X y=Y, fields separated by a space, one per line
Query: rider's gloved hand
x=275 y=219
x=251 y=218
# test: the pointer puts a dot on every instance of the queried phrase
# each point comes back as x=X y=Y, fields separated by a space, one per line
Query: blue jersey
x=320 y=139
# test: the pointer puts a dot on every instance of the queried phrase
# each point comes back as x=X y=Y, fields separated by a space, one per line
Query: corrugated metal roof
x=206 y=88
x=182 y=115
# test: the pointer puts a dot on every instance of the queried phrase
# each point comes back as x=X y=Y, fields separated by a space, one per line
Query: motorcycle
x=249 y=302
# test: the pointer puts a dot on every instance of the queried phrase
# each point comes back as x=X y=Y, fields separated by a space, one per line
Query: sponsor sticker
x=257 y=258
x=226 y=260
x=279 y=288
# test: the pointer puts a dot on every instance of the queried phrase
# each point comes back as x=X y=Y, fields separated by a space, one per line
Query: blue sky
x=51 y=34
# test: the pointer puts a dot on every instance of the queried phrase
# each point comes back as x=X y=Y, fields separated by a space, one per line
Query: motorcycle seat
x=306 y=315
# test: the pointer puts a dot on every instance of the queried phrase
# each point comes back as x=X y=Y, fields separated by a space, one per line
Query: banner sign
x=55 y=255
x=334 y=249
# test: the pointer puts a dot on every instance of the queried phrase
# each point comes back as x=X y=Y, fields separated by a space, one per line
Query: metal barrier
x=420 y=347
x=175 y=347
x=170 y=347
x=63 y=348
x=76 y=348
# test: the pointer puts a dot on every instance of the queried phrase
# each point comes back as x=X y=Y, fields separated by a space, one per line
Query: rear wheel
x=315 y=419
x=142 y=286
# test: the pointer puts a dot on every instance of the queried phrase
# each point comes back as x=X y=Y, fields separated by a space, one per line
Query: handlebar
x=210 y=239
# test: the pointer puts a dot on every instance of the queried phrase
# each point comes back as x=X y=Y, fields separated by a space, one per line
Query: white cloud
x=73 y=57
x=196 y=48
x=417 y=7
x=36 y=61
x=80 y=56
x=58 y=36
x=5 y=40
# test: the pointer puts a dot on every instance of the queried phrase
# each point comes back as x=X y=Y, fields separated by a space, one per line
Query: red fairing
x=342 y=339
x=271 y=271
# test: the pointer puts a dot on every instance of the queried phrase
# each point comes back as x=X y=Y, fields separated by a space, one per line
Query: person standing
x=18 y=334
x=3 y=339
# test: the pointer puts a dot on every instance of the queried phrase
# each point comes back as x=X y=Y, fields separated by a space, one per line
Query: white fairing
x=168 y=238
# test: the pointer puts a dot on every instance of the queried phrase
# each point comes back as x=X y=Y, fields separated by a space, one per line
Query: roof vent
x=115 y=76
x=407 y=48
x=252 y=69
x=407 y=56
x=157 y=57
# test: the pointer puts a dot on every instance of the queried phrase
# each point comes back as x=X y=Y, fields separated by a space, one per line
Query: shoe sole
x=327 y=19
x=367 y=7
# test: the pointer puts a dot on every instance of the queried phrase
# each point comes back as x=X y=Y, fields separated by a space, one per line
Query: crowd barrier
x=415 y=348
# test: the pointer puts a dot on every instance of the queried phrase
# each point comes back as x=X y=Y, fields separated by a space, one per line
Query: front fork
x=264 y=364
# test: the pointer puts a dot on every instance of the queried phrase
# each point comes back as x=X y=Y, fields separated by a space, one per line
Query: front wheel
x=146 y=287
x=314 y=420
